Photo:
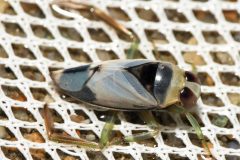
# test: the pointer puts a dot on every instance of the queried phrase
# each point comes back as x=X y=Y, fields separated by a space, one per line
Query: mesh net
x=35 y=39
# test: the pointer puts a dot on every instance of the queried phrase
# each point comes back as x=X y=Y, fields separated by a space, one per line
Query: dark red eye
x=191 y=77
x=187 y=97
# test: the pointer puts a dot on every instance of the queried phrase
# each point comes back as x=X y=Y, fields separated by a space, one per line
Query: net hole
x=228 y=141
x=170 y=139
x=13 y=93
x=106 y=54
x=231 y=16
x=14 y=29
x=3 y=115
x=32 y=73
x=79 y=55
x=41 y=32
x=232 y=157
x=205 y=16
x=70 y=34
x=175 y=15
x=39 y=154
x=6 y=8
x=118 y=13
x=211 y=99
x=155 y=36
x=87 y=135
x=12 y=153
x=80 y=117
x=150 y=156
x=6 y=134
x=41 y=94
x=193 y=58
x=51 y=53
x=6 y=72
x=205 y=79
x=120 y=156
x=96 y=155
x=234 y=98
x=147 y=14
x=66 y=156
x=23 y=51
x=99 y=35
x=213 y=37
x=23 y=114
x=185 y=37
x=229 y=78
x=32 y=9
x=3 y=53
x=236 y=35
x=178 y=157
x=32 y=135
x=165 y=56
x=222 y=58
x=221 y=121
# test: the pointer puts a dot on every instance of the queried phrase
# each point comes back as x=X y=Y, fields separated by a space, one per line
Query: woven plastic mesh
x=35 y=39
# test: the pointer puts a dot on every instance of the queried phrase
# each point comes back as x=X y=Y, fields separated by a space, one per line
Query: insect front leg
x=195 y=125
x=48 y=119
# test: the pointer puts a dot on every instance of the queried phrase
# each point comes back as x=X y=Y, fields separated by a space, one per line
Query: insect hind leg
x=147 y=117
x=48 y=120
x=107 y=131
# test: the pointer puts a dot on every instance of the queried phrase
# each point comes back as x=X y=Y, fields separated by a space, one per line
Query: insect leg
x=107 y=130
x=61 y=138
x=133 y=49
x=195 y=125
x=147 y=117
x=151 y=122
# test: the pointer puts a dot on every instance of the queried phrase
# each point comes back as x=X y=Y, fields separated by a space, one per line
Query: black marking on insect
x=129 y=84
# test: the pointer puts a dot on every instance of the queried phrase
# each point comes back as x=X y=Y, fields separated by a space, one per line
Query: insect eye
x=191 y=77
x=187 y=97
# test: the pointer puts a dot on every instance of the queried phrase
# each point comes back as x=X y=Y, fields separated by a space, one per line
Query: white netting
x=206 y=32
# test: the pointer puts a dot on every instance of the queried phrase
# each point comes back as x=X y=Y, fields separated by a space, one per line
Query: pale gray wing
x=119 y=89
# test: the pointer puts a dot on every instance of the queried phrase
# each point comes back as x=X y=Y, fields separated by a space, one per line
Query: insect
x=127 y=85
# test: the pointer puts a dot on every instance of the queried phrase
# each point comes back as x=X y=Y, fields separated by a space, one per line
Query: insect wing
x=119 y=89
